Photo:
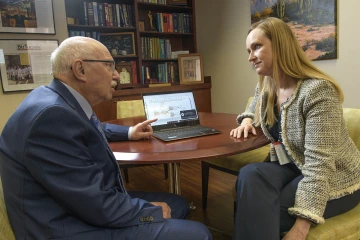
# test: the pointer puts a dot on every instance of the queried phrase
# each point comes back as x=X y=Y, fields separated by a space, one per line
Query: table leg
x=174 y=178
x=177 y=184
x=171 y=177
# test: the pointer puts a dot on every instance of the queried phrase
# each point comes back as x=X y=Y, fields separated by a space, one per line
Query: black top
x=275 y=129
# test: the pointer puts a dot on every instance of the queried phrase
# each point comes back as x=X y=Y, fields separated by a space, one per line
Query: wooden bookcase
x=179 y=41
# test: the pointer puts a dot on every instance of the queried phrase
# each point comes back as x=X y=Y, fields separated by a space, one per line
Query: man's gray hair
x=69 y=50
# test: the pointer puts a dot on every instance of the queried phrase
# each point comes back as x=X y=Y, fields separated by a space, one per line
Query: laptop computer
x=177 y=115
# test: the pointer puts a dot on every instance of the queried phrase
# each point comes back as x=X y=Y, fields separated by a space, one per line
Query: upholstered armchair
x=6 y=231
x=347 y=225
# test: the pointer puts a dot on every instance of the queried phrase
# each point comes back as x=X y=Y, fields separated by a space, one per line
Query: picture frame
x=27 y=16
x=125 y=71
x=25 y=64
x=190 y=68
x=142 y=26
x=119 y=42
x=314 y=23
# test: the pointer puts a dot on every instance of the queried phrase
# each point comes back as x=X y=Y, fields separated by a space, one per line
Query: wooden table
x=152 y=150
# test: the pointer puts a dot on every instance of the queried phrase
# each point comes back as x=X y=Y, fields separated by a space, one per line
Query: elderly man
x=60 y=178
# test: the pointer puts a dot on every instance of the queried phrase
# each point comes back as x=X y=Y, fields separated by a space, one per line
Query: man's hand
x=142 y=130
x=165 y=208
x=245 y=127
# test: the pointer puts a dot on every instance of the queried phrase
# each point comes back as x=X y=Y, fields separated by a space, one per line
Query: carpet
x=217 y=235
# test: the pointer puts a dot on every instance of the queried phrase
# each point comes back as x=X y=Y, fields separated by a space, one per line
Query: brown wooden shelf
x=100 y=28
x=160 y=60
x=125 y=56
x=163 y=34
x=163 y=7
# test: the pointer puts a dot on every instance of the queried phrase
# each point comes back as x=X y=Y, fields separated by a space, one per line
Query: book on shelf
x=111 y=17
x=121 y=13
x=85 y=13
x=90 y=13
x=176 y=22
x=130 y=15
x=101 y=14
x=134 y=72
x=96 y=13
x=106 y=15
x=118 y=21
x=125 y=14
x=114 y=14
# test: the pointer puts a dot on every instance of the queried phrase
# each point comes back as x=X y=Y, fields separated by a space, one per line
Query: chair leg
x=234 y=211
x=166 y=171
x=205 y=167
x=126 y=174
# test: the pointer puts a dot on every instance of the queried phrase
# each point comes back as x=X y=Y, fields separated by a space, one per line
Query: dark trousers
x=175 y=228
x=265 y=191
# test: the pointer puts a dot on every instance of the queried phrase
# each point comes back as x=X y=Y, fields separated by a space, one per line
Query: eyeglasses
x=110 y=63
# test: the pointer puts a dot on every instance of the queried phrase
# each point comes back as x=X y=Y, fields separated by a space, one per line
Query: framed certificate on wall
x=25 y=64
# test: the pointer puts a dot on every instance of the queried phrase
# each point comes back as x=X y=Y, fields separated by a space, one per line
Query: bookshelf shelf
x=162 y=34
x=175 y=31
x=100 y=28
x=125 y=57
x=160 y=60
x=154 y=6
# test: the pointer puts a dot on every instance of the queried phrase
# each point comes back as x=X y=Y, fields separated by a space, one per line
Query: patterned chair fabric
x=6 y=231
x=131 y=108
x=347 y=225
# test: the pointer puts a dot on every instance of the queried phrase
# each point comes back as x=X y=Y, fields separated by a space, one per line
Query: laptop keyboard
x=183 y=132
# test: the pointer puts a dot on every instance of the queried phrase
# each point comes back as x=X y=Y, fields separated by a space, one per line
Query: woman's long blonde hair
x=288 y=57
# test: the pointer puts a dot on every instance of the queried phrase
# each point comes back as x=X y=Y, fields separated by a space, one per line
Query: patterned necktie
x=96 y=122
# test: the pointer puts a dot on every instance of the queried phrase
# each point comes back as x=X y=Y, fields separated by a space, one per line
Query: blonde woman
x=313 y=169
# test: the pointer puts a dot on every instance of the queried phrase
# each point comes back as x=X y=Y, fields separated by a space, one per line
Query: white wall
x=10 y=101
x=221 y=32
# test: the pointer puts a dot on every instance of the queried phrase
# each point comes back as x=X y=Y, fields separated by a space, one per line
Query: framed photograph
x=313 y=23
x=123 y=43
x=141 y=26
x=190 y=68
x=27 y=16
x=25 y=64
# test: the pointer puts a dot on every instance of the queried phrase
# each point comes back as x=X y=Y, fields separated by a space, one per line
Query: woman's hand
x=299 y=231
x=245 y=127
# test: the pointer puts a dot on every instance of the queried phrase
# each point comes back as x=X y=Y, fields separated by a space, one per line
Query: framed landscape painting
x=312 y=21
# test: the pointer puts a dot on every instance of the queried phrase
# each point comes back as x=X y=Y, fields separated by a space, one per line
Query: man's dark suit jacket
x=60 y=180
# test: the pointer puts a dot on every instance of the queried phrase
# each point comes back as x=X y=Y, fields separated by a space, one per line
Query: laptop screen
x=172 y=109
